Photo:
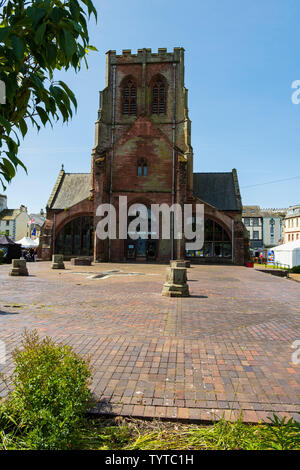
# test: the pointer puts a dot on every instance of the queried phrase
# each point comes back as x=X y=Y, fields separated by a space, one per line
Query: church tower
x=142 y=145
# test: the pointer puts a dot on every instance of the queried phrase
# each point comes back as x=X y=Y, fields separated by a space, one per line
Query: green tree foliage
x=38 y=37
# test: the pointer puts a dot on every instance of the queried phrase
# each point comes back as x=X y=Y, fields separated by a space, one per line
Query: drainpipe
x=112 y=141
x=173 y=160
x=54 y=234
x=232 y=239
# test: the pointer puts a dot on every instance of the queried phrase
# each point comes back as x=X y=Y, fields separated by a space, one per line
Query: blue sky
x=240 y=61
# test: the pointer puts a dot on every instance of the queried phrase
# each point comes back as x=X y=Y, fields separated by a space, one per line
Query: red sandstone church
x=143 y=151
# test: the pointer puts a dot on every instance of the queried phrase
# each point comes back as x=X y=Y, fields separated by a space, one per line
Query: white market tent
x=36 y=242
x=27 y=242
x=287 y=254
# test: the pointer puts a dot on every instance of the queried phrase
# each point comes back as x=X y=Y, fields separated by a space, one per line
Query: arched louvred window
x=159 y=96
x=129 y=98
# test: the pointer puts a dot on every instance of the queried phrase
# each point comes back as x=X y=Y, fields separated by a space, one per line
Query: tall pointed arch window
x=129 y=98
x=159 y=95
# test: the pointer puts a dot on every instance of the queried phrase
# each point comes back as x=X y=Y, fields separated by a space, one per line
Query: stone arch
x=75 y=235
x=217 y=238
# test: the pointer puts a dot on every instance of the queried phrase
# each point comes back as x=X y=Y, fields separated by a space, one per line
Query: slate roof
x=252 y=211
x=9 y=214
x=69 y=189
x=38 y=219
x=220 y=190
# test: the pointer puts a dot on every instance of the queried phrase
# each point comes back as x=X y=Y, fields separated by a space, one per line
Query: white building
x=13 y=222
x=254 y=224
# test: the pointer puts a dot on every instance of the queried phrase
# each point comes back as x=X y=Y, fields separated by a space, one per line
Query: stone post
x=18 y=268
x=58 y=262
x=176 y=283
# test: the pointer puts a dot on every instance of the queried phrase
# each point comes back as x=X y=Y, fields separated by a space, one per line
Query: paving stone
x=226 y=348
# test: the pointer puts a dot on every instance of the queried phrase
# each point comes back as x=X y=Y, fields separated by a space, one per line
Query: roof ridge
x=55 y=188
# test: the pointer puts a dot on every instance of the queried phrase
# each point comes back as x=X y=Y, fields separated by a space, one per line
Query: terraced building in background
x=143 y=151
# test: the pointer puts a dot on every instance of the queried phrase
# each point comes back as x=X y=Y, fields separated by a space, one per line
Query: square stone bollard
x=180 y=263
x=58 y=262
x=18 y=268
x=81 y=261
x=176 y=283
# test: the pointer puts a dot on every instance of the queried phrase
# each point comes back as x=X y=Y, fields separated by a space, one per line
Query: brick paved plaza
x=227 y=347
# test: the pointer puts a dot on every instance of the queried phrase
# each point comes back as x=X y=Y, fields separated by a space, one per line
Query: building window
x=129 y=98
x=7 y=222
x=247 y=221
x=159 y=97
x=142 y=168
x=217 y=242
x=255 y=221
x=76 y=238
x=255 y=235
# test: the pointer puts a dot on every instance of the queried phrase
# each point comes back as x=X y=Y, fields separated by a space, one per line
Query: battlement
x=145 y=55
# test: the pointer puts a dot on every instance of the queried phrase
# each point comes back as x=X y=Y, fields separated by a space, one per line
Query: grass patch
x=132 y=434
x=270 y=266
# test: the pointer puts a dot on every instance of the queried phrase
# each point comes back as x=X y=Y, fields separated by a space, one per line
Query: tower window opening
x=129 y=98
x=159 y=98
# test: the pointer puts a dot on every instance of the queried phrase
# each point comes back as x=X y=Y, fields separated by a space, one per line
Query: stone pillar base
x=175 y=290
x=18 y=268
x=176 y=285
x=58 y=262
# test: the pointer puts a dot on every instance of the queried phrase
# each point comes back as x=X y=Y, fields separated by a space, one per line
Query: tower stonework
x=142 y=144
x=143 y=151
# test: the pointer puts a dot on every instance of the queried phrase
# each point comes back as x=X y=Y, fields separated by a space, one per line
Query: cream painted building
x=291 y=229
x=13 y=222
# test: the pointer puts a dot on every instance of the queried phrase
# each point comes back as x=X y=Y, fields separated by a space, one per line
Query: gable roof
x=143 y=127
x=37 y=219
x=10 y=214
x=69 y=189
x=220 y=190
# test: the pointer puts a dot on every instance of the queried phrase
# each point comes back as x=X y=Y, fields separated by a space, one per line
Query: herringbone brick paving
x=226 y=348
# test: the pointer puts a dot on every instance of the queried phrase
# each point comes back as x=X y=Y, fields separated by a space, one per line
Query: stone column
x=58 y=262
x=176 y=283
x=18 y=268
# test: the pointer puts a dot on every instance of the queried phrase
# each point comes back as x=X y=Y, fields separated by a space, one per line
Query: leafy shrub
x=1 y=256
x=50 y=396
x=295 y=270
